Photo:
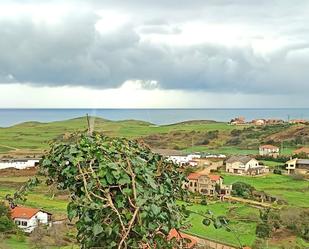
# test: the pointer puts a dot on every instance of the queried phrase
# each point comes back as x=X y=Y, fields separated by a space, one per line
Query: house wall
x=235 y=165
x=18 y=164
x=269 y=152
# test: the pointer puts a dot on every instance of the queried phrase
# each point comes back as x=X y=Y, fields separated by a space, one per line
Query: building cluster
x=263 y=121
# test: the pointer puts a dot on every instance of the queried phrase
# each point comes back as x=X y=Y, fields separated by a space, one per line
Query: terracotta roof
x=22 y=212
x=178 y=235
x=194 y=176
x=303 y=149
x=214 y=177
x=268 y=146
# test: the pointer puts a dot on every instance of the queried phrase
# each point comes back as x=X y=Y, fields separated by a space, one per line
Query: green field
x=190 y=136
x=295 y=192
x=242 y=222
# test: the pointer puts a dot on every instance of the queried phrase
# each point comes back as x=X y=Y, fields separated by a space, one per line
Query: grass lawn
x=270 y=164
x=40 y=197
x=244 y=229
x=295 y=192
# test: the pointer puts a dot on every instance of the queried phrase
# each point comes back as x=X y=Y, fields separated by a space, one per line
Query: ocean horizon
x=158 y=116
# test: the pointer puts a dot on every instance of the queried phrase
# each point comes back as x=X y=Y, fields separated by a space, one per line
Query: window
x=195 y=184
x=24 y=223
x=17 y=222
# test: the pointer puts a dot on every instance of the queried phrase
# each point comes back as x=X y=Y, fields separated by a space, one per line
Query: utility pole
x=90 y=129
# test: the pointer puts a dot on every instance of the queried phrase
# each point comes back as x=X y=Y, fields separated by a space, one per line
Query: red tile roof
x=194 y=176
x=214 y=177
x=178 y=235
x=24 y=213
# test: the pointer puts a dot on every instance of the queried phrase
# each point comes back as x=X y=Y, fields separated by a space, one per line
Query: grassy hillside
x=209 y=136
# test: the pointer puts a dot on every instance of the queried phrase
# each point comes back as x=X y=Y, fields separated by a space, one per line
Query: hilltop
x=200 y=135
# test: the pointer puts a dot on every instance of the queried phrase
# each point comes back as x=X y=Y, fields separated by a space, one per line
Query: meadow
x=295 y=192
x=190 y=136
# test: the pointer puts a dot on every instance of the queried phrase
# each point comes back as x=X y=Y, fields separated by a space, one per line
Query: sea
x=9 y=117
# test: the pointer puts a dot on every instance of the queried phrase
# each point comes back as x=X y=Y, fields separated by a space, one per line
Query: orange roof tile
x=214 y=177
x=24 y=213
x=194 y=176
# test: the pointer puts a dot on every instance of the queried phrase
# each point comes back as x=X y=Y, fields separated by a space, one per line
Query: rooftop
x=242 y=159
x=23 y=212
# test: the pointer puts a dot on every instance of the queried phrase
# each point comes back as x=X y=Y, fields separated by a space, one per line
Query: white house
x=18 y=163
x=244 y=165
x=269 y=150
x=298 y=166
x=182 y=160
x=29 y=218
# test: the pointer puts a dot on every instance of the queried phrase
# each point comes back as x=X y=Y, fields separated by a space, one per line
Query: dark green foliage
x=277 y=171
x=235 y=132
x=263 y=230
x=122 y=194
x=234 y=141
x=6 y=223
x=242 y=189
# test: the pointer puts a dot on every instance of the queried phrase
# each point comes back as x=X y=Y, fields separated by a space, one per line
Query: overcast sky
x=163 y=53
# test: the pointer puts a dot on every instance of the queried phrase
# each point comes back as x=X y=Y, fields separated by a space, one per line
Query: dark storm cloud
x=73 y=52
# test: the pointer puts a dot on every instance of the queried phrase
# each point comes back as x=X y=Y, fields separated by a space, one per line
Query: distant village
x=262 y=121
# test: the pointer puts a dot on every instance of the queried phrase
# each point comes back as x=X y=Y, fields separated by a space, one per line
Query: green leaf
x=97 y=229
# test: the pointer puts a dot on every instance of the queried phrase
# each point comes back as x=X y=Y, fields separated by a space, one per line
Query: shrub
x=242 y=189
x=263 y=230
x=123 y=195
x=6 y=223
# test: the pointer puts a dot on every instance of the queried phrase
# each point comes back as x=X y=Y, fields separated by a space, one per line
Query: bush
x=263 y=230
x=277 y=171
x=242 y=189
x=123 y=195
x=204 y=202
x=235 y=132
x=6 y=223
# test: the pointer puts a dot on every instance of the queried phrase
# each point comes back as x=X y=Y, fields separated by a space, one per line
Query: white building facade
x=18 y=163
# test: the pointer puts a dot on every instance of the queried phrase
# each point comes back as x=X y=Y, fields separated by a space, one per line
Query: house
x=28 y=219
x=183 y=160
x=301 y=150
x=258 y=122
x=245 y=165
x=238 y=121
x=206 y=184
x=18 y=163
x=269 y=150
x=298 y=166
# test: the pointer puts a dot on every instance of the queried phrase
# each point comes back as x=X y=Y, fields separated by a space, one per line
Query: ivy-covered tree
x=122 y=194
